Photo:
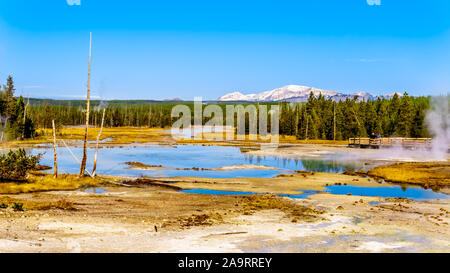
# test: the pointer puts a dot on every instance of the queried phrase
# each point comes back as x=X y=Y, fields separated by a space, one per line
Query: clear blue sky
x=165 y=49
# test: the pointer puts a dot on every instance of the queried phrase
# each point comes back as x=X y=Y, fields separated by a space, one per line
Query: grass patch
x=46 y=182
x=201 y=220
x=220 y=139
x=21 y=205
x=291 y=208
x=428 y=175
x=113 y=135
x=129 y=135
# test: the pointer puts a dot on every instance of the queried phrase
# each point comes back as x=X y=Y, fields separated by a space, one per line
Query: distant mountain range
x=297 y=93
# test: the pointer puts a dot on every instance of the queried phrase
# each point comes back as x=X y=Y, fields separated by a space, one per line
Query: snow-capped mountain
x=279 y=94
x=297 y=93
x=237 y=96
x=390 y=96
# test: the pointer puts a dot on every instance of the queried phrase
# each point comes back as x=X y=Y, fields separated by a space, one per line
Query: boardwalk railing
x=375 y=143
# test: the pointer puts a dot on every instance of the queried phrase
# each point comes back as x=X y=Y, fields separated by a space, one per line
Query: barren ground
x=159 y=219
x=154 y=216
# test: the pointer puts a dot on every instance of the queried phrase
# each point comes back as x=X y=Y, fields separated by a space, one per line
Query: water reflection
x=185 y=157
x=415 y=193
x=303 y=195
x=394 y=191
x=95 y=190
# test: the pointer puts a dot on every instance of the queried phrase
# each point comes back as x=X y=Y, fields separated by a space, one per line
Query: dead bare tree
x=98 y=140
x=83 y=160
x=54 y=150
x=334 y=121
x=25 y=114
x=25 y=110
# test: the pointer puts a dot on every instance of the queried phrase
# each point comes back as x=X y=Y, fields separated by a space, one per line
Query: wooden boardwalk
x=376 y=143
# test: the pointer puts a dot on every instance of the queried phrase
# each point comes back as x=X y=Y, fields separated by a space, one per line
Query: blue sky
x=167 y=49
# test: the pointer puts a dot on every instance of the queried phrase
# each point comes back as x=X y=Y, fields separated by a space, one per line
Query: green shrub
x=3 y=206
x=16 y=163
x=17 y=206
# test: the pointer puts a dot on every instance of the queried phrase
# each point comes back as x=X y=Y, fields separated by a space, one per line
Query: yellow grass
x=117 y=135
x=130 y=135
x=291 y=208
x=36 y=205
x=46 y=182
x=221 y=139
x=425 y=174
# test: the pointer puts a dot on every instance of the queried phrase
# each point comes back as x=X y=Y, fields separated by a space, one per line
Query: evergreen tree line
x=318 y=118
x=153 y=116
x=15 y=123
x=321 y=118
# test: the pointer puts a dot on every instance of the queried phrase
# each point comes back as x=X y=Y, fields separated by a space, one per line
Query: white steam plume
x=438 y=122
x=103 y=104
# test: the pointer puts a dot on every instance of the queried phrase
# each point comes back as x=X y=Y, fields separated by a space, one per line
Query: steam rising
x=103 y=104
x=3 y=121
x=438 y=122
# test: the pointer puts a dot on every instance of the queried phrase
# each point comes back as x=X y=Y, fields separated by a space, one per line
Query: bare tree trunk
x=25 y=115
x=334 y=121
x=83 y=160
x=307 y=123
x=296 y=120
x=98 y=139
x=25 y=110
x=54 y=151
x=149 y=116
x=74 y=157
